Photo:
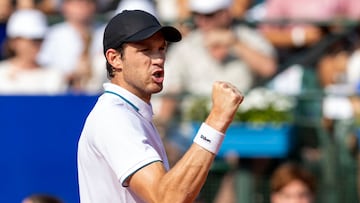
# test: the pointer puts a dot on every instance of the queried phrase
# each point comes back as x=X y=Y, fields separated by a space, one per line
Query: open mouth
x=158 y=73
x=158 y=76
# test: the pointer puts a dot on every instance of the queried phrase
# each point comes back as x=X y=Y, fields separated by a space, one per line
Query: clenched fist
x=226 y=99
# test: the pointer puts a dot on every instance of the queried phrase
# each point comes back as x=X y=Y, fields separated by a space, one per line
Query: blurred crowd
x=55 y=47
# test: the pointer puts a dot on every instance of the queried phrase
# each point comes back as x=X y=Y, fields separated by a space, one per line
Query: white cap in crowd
x=145 y=5
x=27 y=23
x=208 y=6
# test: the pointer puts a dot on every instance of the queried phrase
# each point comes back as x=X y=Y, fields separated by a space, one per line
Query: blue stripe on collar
x=123 y=98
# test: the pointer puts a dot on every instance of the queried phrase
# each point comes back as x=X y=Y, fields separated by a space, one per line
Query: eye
x=163 y=48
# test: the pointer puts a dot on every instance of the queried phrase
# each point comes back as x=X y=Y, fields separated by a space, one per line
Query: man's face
x=26 y=49
x=295 y=192
x=143 y=66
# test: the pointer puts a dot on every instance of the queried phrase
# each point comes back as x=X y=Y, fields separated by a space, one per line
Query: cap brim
x=170 y=34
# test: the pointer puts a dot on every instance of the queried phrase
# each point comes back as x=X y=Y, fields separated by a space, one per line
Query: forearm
x=279 y=38
x=261 y=64
x=189 y=174
x=298 y=36
x=185 y=180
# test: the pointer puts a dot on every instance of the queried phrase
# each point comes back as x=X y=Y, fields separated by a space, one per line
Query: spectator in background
x=292 y=183
x=309 y=22
x=20 y=73
x=338 y=69
x=304 y=32
x=42 y=198
x=69 y=47
x=216 y=50
x=339 y=77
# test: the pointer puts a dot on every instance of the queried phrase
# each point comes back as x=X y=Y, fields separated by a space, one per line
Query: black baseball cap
x=133 y=26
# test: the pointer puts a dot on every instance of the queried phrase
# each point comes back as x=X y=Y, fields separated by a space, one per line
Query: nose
x=158 y=58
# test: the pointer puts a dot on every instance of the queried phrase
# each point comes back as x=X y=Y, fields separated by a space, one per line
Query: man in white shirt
x=120 y=154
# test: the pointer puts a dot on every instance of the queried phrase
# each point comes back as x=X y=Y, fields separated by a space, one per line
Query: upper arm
x=144 y=182
x=182 y=183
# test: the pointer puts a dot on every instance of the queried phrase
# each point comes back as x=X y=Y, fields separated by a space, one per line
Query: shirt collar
x=130 y=99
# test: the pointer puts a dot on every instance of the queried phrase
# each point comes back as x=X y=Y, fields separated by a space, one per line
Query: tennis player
x=120 y=154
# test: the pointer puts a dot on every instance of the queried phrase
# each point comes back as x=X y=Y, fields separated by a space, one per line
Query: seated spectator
x=339 y=76
x=295 y=26
x=69 y=47
x=20 y=73
x=292 y=183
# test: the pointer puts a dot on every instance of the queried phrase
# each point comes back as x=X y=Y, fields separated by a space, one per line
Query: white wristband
x=209 y=138
x=298 y=36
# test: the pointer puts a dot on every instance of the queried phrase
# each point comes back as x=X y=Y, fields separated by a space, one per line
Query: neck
x=139 y=93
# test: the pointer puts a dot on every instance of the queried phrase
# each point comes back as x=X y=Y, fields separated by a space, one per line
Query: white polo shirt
x=117 y=140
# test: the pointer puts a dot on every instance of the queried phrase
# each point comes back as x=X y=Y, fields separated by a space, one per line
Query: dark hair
x=109 y=68
x=289 y=172
x=43 y=198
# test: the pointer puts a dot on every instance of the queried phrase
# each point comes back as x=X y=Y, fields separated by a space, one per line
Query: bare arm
x=220 y=41
x=262 y=64
x=282 y=37
x=184 y=181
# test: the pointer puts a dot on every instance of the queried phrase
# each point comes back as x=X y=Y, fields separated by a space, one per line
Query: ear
x=114 y=58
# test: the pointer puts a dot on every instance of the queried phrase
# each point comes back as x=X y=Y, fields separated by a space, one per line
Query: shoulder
x=5 y=67
x=115 y=111
x=5 y=64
